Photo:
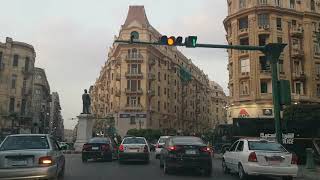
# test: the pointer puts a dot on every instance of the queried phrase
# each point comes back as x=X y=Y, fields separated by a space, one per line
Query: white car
x=134 y=149
x=160 y=144
x=250 y=157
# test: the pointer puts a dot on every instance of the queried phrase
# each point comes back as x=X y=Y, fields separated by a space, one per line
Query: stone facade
x=56 y=126
x=16 y=83
x=257 y=22
x=41 y=101
x=140 y=85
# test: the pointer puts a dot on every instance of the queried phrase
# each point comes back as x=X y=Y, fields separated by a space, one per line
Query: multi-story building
x=141 y=86
x=218 y=105
x=40 y=101
x=16 y=81
x=258 y=22
x=56 y=126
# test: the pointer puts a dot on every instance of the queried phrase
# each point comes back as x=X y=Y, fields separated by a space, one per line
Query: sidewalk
x=307 y=174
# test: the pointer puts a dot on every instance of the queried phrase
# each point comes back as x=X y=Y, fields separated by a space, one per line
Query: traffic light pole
x=272 y=52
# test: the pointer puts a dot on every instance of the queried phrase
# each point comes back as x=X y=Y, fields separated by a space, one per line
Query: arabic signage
x=286 y=138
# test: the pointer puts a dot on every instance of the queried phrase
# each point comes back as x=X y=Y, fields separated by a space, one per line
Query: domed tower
x=258 y=22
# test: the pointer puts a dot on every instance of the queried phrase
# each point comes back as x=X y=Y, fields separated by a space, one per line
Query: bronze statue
x=86 y=101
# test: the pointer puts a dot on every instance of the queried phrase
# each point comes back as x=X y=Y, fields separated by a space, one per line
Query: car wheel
x=241 y=173
x=225 y=169
x=287 y=178
x=166 y=169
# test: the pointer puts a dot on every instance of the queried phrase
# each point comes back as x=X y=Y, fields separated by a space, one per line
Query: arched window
x=135 y=35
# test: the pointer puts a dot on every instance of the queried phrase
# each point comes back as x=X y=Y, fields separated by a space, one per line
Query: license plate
x=133 y=150
x=95 y=148
x=274 y=162
x=191 y=152
x=19 y=163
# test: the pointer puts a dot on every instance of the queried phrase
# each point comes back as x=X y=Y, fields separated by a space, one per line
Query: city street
x=76 y=170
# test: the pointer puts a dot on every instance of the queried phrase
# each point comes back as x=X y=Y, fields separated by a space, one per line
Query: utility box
x=285 y=92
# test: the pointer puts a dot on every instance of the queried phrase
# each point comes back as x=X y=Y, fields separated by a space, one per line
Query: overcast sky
x=72 y=37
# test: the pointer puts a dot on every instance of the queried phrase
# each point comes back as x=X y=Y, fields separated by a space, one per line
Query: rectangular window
x=158 y=106
x=281 y=66
x=298 y=88
x=159 y=91
x=263 y=19
x=23 y=106
x=175 y=95
x=279 y=40
x=243 y=23
x=159 y=78
x=0 y=60
x=165 y=91
x=318 y=89
x=245 y=65
x=132 y=120
x=263 y=38
x=312 y=5
x=13 y=81
x=244 y=41
x=264 y=86
x=263 y=2
x=165 y=105
x=318 y=69
x=317 y=49
x=11 y=104
x=165 y=77
x=279 y=23
x=278 y=3
x=242 y=4
x=292 y=4
x=15 y=60
x=264 y=64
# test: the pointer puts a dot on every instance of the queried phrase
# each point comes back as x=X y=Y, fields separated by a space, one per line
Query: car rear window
x=25 y=142
x=266 y=146
x=100 y=140
x=134 y=141
x=187 y=140
x=163 y=140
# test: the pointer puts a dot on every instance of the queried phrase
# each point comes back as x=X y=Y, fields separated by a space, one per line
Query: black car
x=186 y=152
x=99 y=148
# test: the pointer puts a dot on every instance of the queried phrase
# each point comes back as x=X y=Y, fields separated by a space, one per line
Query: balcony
x=264 y=28
x=243 y=53
x=151 y=93
x=134 y=75
x=299 y=76
x=134 y=58
x=152 y=62
x=297 y=53
x=133 y=92
x=133 y=107
x=243 y=32
x=118 y=76
x=151 y=76
x=296 y=32
x=265 y=73
x=244 y=75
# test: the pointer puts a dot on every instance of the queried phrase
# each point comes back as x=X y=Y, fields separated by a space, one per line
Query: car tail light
x=46 y=160
x=121 y=148
x=206 y=149
x=172 y=148
x=294 y=159
x=104 y=147
x=86 y=147
x=145 y=149
x=252 y=157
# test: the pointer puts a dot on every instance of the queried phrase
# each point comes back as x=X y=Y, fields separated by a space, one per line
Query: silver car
x=25 y=156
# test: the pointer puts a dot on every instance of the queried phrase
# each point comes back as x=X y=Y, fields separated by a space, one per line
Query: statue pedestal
x=84 y=131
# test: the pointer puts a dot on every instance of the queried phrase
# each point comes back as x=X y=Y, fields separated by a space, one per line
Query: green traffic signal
x=191 y=41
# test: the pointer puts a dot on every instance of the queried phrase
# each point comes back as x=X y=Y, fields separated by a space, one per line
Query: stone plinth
x=84 y=131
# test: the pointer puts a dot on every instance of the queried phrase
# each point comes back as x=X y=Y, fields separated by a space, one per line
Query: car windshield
x=187 y=140
x=99 y=140
x=163 y=139
x=266 y=146
x=134 y=141
x=24 y=142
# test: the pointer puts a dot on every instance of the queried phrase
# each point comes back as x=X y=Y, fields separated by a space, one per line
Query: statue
x=86 y=101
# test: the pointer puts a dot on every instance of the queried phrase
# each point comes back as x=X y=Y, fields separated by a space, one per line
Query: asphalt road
x=76 y=170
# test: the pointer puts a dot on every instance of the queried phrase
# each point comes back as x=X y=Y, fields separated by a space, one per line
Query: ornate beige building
x=140 y=85
x=257 y=22
x=16 y=81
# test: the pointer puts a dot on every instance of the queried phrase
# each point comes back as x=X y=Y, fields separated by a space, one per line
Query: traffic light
x=171 y=41
x=191 y=41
